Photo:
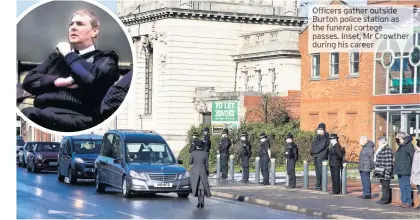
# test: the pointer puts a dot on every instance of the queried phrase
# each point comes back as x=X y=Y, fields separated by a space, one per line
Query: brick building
x=355 y=95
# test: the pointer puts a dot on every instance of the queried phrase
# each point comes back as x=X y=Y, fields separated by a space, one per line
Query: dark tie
x=76 y=51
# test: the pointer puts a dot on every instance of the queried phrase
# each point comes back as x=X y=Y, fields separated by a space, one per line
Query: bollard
x=324 y=176
x=231 y=168
x=273 y=172
x=287 y=176
x=344 y=179
x=305 y=174
x=218 y=165
x=257 y=169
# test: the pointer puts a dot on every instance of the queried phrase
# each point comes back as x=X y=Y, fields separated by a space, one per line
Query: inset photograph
x=75 y=62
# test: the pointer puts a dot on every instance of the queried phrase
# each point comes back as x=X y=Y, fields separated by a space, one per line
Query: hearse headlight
x=184 y=175
x=39 y=156
x=136 y=175
x=79 y=160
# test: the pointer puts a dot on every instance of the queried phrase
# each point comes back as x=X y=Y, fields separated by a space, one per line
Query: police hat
x=206 y=129
x=263 y=135
x=244 y=134
x=289 y=135
x=194 y=134
x=225 y=131
x=333 y=136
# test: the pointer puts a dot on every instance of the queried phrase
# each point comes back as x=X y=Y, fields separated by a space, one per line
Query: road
x=42 y=196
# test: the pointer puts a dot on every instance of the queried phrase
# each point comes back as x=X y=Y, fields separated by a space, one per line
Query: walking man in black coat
x=292 y=156
x=245 y=152
x=320 y=152
x=199 y=174
x=224 y=147
x=265 y=155
x=335 y=156
x=71 y=83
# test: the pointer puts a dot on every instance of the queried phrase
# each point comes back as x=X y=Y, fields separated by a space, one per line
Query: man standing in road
x=292 y=156
x=366 y=165
x=224 y=147
x=70 y=85
x=245 y=152
x=265 y=155
x=320 y=152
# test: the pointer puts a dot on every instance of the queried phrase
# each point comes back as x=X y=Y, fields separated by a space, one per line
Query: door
x=103 y=162
x=65 y=158
x=410 y=124
x=117 y=170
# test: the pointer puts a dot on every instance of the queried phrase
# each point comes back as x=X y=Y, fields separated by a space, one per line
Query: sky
x=22 y=5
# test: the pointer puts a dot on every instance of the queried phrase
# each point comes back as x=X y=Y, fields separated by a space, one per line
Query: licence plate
x=53 y=163
x=163 y=185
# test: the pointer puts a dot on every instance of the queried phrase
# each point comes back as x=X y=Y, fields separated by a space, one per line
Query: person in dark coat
x=384 y=164
x=335 y=156
x=194 y=142
x=366 y=165
x=292 y=156
x=206 y=139
x=199 y=174
x=115 y=96
x=245 y=154
x=70 y=84
x=224 y=148
x=319 y=151
x=265 y=155
x=402 y=167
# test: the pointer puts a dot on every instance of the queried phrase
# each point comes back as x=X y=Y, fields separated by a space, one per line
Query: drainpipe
x=141 y=122
x=236 y=75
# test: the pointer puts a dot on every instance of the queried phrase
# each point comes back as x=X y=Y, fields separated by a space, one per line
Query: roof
x=140 y=135
x=86 y=136
x=344 y=3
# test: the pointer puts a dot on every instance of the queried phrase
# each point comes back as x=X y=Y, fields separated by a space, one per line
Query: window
x=245 y=78
x=148 y=81
x=334 y=64
x=316 y=65
x=116 y=147
x=354 y=63
x=207 y=118
x=258 y=74
x=106 y=149
x=17 y=131
x=47 y=147
x=87 y=146
x=155 y=153
x=273 y=75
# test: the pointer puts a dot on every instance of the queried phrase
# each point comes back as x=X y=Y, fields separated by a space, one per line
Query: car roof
x=133 y=135
x=42 y=142
x=86 y=136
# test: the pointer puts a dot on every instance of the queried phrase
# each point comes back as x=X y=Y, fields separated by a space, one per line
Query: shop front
x=390 y=119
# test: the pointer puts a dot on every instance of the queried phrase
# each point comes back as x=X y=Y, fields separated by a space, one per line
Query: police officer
x=320 y=152
x=335 y=156
x=224 y=147
x=265 y=155
x=195 y=142
x=206 y=140
x=292 y=155
x=245 y=152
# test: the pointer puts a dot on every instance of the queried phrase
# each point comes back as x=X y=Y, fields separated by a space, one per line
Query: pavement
x=312 y=202
x=41 y=196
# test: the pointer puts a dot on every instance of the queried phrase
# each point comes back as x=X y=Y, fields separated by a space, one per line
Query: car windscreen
x=20 y=142
x=47 y=147
x=87 y=146
x=154 y=153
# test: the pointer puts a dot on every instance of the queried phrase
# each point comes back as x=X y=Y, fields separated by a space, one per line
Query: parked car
x=19 y=145
x=139 y=162
x=76 y=157
x=23 y=154
x=43 y=156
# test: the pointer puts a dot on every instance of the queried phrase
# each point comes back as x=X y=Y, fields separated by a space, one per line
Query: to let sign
x=224 y=111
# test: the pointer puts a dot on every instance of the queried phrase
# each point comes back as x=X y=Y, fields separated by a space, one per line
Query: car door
x=117 y=168
x=66 y=157
x=31 y=156
x=26 y=150
x=103 y=161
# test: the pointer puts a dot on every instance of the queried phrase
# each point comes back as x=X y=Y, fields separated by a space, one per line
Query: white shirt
x=86 y=50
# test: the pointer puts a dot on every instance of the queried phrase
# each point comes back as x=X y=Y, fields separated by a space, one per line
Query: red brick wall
x=291 y=102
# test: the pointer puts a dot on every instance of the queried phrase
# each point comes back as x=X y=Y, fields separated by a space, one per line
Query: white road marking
x=56 y=212
x=133 y=216
x=74 y=199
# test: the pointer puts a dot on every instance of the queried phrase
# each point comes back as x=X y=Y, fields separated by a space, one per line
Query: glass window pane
x=394 y=77
x=394 y=128
x=380 y=125
x=408 y=76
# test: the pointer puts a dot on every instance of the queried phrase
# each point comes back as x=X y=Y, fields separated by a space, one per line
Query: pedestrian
x=335 y=156
x=245 y=153
x=206 y=139
x=292 y=156
x=366 y=165
x=71 y=83
x=402 y=167
x=224 y=148
x=194 y=142
x=320 y=152
x=199 y=174
x=384 y=163
x=415 y=170
x=265 y=155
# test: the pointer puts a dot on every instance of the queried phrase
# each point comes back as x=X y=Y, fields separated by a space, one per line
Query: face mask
x=243 y=138
x=288 y=140
x=262 y=139
x=224 y=135
x=194 y=137
x=205 y=133
x=319 y=132
x=333 y=141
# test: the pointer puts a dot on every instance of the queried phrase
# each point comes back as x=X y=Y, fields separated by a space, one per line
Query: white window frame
x=351 y=73
x=313 y=76
x=331 y=65
x=273 y=78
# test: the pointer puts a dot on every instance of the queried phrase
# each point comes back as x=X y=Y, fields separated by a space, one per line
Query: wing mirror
x=118 y=161
x=180 y=162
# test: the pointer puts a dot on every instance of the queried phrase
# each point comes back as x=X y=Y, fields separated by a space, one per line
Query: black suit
x=320 y=152
x=335 y=155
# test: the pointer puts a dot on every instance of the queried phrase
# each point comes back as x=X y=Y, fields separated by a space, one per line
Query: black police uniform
x=292 y=156
x=246 y=153
x=224 y=147
x=265 y=159
x=320 y=153
x=335 y=156
x=195 y=142
x=206 y=140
